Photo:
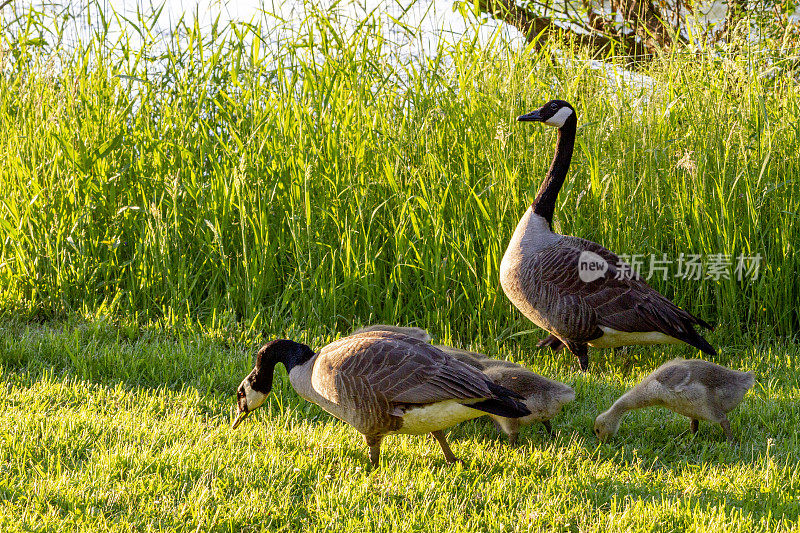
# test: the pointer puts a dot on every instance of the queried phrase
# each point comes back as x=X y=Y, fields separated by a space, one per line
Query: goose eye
x=553 y=105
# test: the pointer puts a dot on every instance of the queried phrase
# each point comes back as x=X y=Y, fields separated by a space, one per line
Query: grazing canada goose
x=543 y=397
x=694 y=388
x=381 y=383
x=574 y=288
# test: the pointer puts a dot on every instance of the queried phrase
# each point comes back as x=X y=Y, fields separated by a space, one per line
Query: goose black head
x=255 y=387
x=554 y=113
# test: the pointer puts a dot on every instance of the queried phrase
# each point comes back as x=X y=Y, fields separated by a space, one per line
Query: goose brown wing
x=406 y=370
x=619 y=299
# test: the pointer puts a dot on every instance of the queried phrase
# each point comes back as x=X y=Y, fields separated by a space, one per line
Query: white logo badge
x=591 y=266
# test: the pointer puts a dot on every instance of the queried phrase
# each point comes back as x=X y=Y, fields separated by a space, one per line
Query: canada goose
x=543 y=397
x=694 y=388
x=381 y=383
x=574 y=288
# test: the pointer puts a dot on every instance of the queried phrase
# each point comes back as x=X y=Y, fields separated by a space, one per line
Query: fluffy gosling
x=543 y=397
x=694 y=388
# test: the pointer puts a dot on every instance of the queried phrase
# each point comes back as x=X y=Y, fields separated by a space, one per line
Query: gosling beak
x=533 y=116
x=241 y=416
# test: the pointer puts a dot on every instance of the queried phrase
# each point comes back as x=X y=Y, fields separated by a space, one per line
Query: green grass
x=104 y=428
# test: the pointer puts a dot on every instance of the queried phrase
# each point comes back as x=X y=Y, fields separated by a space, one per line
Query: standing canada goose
x=543 y=397
x=694 y=388
x=574 y=288
x=381 y=383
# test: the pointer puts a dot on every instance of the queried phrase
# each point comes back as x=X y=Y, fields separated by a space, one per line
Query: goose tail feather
x=505 y=403
x=692 y=338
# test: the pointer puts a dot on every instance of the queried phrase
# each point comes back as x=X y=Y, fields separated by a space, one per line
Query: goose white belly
x=531 y=235
x=433 y=417
x=613 y=339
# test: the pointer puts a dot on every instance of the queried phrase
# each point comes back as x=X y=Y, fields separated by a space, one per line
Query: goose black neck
x=545 y=203
x=300 y=355
x=284 y=351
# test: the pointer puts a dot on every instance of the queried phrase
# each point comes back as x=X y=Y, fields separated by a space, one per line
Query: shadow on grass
x=104 y=353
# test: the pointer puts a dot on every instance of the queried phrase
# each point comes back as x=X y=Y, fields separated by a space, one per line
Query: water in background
x=430 y=21
x=413 y=28
x=427 y=21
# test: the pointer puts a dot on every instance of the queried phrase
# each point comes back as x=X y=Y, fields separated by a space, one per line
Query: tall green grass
x=283 y=175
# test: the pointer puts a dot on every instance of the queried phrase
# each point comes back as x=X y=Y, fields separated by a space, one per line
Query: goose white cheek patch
x=253 y=397
x=559 y=118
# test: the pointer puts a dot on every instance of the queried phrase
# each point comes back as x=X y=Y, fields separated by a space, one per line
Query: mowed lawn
x=106 y=427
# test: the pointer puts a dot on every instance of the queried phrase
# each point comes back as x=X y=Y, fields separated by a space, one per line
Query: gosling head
x=605 y=426
x=554 y=113
x=564 y=394
x=253 y=390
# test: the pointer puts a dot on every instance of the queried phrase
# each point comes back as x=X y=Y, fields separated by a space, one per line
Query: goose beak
x=533 y=116
x=241 y=416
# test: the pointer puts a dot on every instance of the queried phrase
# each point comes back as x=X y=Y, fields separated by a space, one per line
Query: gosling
x=411 y=331
x=543 y=397
x=694 y=388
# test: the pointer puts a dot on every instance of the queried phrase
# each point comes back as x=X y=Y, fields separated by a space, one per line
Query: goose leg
x=509 y=426
x=552 y=342
x=726 y=427
x=695 y=425
x=497 y=425
x=583 y=356
x=548 y=428
x=581 y=351
x=374 y=443
x=449 y=456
